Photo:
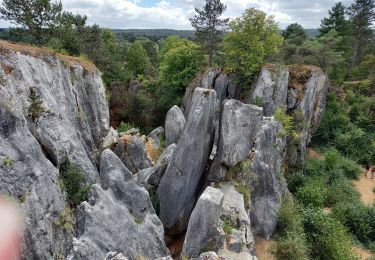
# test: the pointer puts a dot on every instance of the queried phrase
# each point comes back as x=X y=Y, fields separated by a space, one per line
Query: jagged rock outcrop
x=118 y=217
x=178 y=187
x=174 y=125
x=218 y=222
x=214 y=78
x=299 y=89
x=238 y=126
x=131 y=150
x=271 y=89
x=266 y=179
x=72 y=123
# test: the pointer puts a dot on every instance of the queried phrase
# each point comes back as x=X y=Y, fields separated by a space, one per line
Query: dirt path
x=365 y=186
x=262 y=247
x=313 y=154
x=363 y=253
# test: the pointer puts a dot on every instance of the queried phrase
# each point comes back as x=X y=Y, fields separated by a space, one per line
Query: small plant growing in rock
x=73 y=182
x=258 y=101
x=137 y=219
x=227 y=226
x=66 y=220
x=8 y=162
x=36 y=109
x=245 y=191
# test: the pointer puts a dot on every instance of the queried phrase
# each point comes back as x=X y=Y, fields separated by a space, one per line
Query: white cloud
x=175 y=14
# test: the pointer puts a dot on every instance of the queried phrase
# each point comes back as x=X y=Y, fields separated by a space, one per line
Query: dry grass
x=6 y=47
x=152 y=152
x=262 y=248
x=300 y=74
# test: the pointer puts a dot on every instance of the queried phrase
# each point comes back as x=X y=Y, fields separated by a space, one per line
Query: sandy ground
x=365 y=187
x=362 y=253
x=262 y=247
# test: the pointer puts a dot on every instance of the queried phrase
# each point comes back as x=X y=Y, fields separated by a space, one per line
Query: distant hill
x=312 y=32
x=152 y=34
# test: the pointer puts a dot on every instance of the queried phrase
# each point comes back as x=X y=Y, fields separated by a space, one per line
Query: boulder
x=239 y=124
x=174 y=125
x=118 y=217
x=219 y=221
x=131 y=150
x=266 y=180
x=179 y=185
x=271 y=89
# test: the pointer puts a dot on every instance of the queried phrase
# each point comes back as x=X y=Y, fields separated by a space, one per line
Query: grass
x=40 y=52
x=227 y=226
x=66 y=220
x=8 y=162
x=244 y=190
x=138 y=220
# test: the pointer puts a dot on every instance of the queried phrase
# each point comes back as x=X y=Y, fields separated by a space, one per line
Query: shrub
x=285 y=119
x=7 y=162
x=290 y=238
x=313 y=193
x=66 y=220
x=358 y=218
x=341 y=190
x=74 y=183
x=327 y=237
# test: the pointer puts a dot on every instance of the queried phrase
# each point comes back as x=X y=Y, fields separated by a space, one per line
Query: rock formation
x=118 y=217
x=179 y=185
x=219 y=181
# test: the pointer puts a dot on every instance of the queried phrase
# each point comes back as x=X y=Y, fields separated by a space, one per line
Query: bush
x=74 y=183
x=290 y=238
x=313 y=193
x=123 y=127
x=327 y=237
x=35 y=109
x=341 y=190
x=358 y=218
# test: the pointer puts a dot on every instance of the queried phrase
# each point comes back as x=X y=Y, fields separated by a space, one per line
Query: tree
x=252 y=38
x=294 y=34
x=137 y=59
x=209 y=26
x=362 y=15
x=322 y=51
x=179 y=63
x=36 y=17
x=336 y=20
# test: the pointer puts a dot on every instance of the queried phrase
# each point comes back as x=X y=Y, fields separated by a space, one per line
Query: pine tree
x=295 y=34
x=336 y=20
x=36 y=109
x=35 y=17
x=362 y=16
x=209 y=26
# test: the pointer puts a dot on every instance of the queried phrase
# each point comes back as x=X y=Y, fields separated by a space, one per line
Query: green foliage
x=252 y=37
x=209 y=26
x=258 y=101
x=138 y=220
x=287 y=120
x=358 y=218
x=313 y=193
x=7 y=161
x=294 y=34
x=155 y=201
x=179 y=63
x=244 y=189
x=66 y=220
x=74 y=183
x=36 y=17
x=137 y=59
x=328 y=237
x=35 y=109
x=124 y=127
x=290 y=241
x=227 y=226
x=336 y=20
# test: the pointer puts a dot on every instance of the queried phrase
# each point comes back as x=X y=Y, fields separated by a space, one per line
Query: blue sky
x=174 y=14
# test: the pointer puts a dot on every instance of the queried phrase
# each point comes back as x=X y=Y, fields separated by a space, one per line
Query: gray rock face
x=174 y=125
x=267 y=183
x=75 y=120
x=132 y=152
x=239 y=124
x=214 y=78
x=271 y=89
x=155 y=136
x=179 y=184
x=215 y=209
x=119 y=217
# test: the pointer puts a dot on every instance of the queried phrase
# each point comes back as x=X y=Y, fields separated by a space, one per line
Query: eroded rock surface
x=174 y=125
x=178 y=187
x=118 y=217
x=219 y=222
x=72 y=124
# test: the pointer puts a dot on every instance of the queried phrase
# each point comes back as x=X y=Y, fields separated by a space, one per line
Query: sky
x=174 y=14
